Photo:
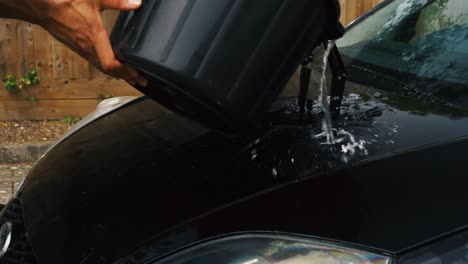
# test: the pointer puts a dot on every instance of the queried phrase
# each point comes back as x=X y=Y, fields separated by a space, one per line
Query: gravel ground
x=10 y=177
x=19 y=132
x=31 y=131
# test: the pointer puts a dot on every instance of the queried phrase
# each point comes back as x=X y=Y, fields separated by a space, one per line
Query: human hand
x=78 y=24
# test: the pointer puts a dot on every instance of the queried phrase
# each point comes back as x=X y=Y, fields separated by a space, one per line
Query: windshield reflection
x=417 y=48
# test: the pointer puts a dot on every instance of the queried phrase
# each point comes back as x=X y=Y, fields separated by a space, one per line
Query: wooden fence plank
x=367 y=5
x=43 y=55
x=3 y=34
x=344 y=15
x=74 y=89
x=61 y=60
x=352 y=9
x=79 y=67
x=9 y=46
x=26 y=47
x=52 y=109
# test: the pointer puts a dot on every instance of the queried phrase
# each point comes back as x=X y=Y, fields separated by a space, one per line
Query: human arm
x=77 y=24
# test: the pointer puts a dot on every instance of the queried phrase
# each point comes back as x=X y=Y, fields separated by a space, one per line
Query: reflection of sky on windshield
x=440 y=52
x=403 y=10
x=436 y=16
x=441 y=14
x=421 y=43
x=441 y=32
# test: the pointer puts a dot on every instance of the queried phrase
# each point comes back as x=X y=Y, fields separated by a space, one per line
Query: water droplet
x=275 y=172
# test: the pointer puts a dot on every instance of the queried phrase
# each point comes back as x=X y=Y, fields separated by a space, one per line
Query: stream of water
x=323 y=98
x=342 y=140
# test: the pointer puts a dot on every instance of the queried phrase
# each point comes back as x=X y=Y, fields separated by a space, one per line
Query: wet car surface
x=392 y=183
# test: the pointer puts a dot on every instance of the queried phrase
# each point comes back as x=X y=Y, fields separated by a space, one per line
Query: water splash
x=356 y=132
x=323 y=97
x=345 y=148
x=338 y=140
x=352 y=145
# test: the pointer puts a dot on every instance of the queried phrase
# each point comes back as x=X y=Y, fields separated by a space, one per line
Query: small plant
x=70 y=120
x=32 y=98
x=12 y=84
x=101 y=97
x=31 y=78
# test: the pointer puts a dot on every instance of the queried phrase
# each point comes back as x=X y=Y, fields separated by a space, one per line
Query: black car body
x=141 y=184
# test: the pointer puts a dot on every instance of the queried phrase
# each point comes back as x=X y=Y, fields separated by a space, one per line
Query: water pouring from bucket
x=323 y=97
x=224 y=62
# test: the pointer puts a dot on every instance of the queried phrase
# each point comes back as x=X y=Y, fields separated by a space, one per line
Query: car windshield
x=415 y=47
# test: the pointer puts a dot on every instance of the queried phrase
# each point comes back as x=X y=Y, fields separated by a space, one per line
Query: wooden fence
x=69 y=86
x=352 y=9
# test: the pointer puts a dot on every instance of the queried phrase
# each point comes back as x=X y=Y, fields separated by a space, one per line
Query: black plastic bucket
x=222 y=62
